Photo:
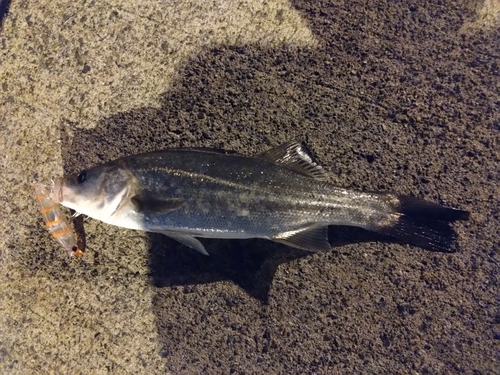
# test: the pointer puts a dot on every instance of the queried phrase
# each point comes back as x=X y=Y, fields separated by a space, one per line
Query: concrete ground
x=389 y=96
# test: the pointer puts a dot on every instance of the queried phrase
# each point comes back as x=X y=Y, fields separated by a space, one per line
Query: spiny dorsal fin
x=310 y=239
x=296 y=157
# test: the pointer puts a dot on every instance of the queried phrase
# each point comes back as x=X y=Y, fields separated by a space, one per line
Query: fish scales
x=242 y=195
x=281 y=195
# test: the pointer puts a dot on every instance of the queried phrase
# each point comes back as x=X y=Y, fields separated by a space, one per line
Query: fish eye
x=82 y=176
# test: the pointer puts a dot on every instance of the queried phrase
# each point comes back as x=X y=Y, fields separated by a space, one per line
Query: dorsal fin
x=295 y=156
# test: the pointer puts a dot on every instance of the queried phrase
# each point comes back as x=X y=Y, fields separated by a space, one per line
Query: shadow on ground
x=250 y=264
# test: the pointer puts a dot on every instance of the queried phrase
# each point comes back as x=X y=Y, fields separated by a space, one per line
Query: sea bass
x=281 y=195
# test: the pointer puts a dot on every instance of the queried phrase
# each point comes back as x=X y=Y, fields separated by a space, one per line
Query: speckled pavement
x=389 y=97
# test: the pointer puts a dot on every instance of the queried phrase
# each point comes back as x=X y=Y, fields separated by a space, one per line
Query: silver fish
x=281 y=195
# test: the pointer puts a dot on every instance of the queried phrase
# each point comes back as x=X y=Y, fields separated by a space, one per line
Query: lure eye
x=82 y=176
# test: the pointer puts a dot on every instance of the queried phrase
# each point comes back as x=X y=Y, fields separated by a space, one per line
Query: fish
x=281 y=195
x=56 y=222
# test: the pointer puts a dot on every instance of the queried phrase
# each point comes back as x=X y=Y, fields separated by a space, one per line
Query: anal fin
x=313 y=238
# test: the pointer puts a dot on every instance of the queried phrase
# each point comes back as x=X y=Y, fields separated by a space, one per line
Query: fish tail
x=423 y=223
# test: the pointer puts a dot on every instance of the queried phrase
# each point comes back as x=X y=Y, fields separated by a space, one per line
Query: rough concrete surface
x=400 y=96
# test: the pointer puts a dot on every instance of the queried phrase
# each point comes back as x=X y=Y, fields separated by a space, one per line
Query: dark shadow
x=4 y=11
x=250 y=264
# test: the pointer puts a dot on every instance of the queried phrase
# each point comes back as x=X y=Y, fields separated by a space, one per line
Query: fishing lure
x=56 y=223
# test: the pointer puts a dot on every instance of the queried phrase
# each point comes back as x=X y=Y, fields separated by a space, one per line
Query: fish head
x=97 y=192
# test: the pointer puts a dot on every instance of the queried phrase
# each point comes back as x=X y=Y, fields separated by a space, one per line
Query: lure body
x=55 y=221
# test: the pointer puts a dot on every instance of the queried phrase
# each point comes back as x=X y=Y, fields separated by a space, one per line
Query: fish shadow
x=4 y=11
x=250 y=264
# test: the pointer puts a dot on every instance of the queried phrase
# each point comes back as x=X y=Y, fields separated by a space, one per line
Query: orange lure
x=56 y=223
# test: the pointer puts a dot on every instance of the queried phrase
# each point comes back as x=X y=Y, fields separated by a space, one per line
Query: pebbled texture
x=388 y=96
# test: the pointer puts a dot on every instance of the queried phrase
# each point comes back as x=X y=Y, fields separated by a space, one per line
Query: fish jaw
x=68 y=197
x=60 y=192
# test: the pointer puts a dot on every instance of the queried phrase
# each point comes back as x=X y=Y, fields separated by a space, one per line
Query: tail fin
x=424 y=224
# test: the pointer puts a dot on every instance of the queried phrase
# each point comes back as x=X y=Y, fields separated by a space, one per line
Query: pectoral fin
x=148 y=205
x=310 y=239
x=186 y=240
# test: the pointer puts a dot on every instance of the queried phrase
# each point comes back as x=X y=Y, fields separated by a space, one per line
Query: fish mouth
x=57 y=191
